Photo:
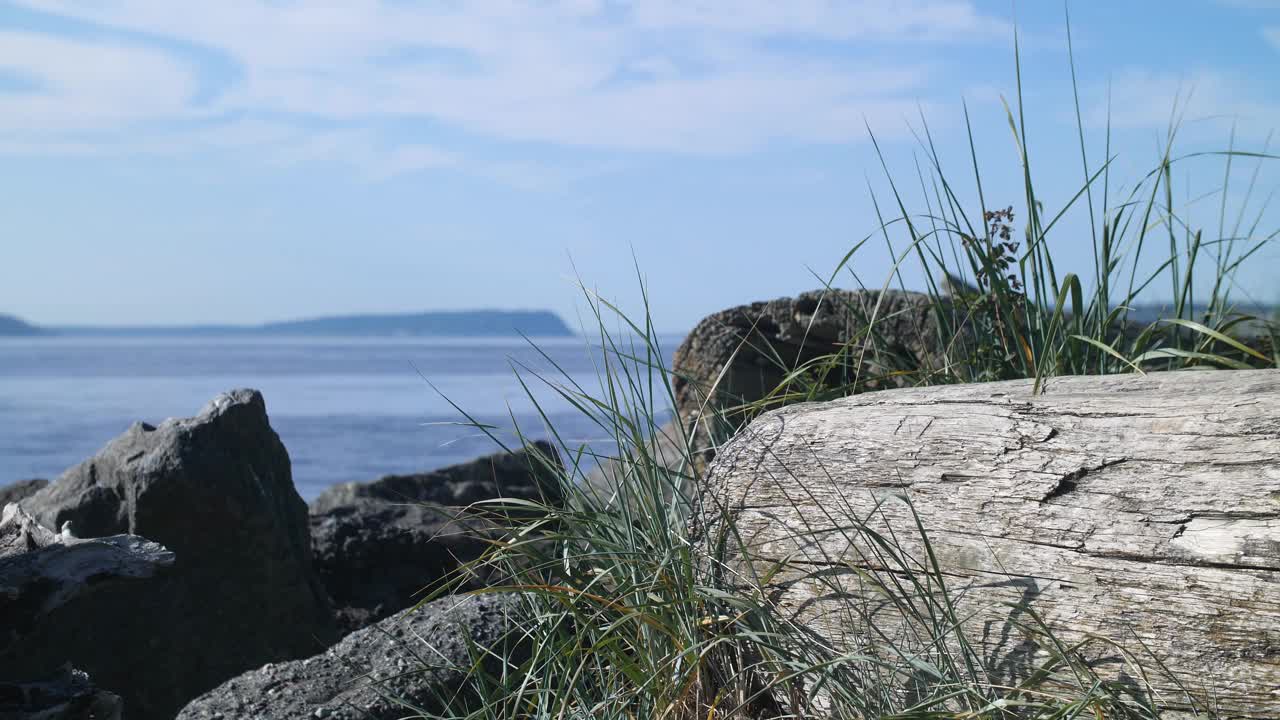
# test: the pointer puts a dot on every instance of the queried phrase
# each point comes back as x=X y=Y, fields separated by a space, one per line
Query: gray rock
x=521 y=474
x=215 y=489
x=756 y=346
x=41 y=571
x=51 y=581
x=13 y=492
x=413 y=659
x=378 y=545
x=375 y=557
x=760 y=343
x=20 y=533
x=68 y=694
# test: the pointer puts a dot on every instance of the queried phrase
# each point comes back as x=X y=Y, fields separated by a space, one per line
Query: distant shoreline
x=453 y=323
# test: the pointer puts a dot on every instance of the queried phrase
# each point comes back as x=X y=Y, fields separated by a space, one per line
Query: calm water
x=347 y=409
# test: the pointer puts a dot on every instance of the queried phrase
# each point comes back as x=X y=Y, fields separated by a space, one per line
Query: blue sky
x=246 y=160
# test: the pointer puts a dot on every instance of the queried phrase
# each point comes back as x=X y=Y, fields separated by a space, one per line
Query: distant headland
x=452 y=323
x=10 y=325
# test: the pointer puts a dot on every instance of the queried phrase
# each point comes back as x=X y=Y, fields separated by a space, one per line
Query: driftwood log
x=1143 y=509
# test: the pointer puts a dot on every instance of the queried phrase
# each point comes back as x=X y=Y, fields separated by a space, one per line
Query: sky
x=254 y=160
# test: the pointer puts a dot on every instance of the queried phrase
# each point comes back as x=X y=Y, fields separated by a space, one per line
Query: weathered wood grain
x=1144 y=509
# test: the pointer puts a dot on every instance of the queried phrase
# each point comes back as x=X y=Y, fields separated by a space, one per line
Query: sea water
x=346 y=408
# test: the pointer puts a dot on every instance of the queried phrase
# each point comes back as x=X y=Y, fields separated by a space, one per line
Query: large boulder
x=531 y=473
x=215 y=489
x=376 y=558
x=409 y=660
x=379 y=545
x=739 y=356
x=15 y=491
x=68 y=694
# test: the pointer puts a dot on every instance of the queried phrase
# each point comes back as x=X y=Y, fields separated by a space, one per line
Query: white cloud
x=362 y=152
x=1147 y=99
x=84 y=85
x=666 y=75
x=879 y=19
x=1272 y=34
x=382 y=163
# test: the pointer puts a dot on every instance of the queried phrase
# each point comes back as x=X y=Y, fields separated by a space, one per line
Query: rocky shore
x=178 y=573
x=181 y=556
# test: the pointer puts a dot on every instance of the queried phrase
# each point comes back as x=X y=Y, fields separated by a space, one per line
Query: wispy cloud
x=913 y=19
x=78 y=85
x=1271 y=33
x=690 y=76
x=1146 y=99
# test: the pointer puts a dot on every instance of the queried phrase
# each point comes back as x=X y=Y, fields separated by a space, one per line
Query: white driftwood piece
x=1143 y=509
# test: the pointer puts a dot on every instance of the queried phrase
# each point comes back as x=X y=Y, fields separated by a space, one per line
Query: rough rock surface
x=20 y=533
x=376 y=557
x=757 y=345
x=216 y=490
x=67 y=695
x=519 y=474
x=50 y=579
x=738 y=356
x=13 y=492
x=412 y=657
x=1141 y=509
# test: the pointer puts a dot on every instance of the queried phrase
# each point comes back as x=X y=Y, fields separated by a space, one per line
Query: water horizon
x=346 y=408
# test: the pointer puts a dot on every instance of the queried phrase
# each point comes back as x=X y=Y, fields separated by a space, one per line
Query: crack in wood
x=1068 y=482
x=1231 y=515
x=1187 y=563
